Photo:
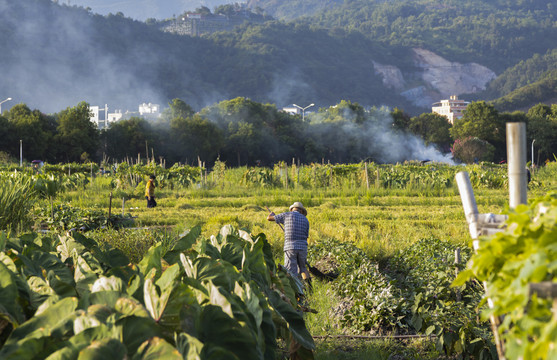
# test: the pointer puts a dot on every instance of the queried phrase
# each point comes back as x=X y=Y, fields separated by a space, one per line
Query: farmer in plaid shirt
x=296 y=232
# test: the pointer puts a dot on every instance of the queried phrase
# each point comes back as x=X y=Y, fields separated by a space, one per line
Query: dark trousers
x=151 y=203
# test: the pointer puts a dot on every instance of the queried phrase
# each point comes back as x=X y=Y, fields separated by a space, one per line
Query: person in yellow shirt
x=150 y=192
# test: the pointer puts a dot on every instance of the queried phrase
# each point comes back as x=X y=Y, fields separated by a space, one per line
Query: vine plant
x=508 y=262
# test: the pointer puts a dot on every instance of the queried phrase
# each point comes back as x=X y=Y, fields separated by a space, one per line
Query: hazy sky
x=144 y=9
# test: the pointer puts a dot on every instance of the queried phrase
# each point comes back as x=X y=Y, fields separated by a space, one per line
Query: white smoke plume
x=375 y=139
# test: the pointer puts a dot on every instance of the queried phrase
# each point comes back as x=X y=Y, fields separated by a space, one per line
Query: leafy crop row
x=217 y=298
x=411 y=293
x=66 y=217
x=399 y=176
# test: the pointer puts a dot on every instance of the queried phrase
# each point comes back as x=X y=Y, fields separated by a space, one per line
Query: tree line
x=242 y=132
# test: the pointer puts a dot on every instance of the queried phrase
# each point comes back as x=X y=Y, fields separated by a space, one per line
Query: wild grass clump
x=16 y=201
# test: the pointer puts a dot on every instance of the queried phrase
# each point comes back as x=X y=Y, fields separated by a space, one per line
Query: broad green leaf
x=39 y=290
x=28 y=349
x=155 y=298
x=189 y=346
x=112 y=283
x=215 y=352
x=6 y=260
x=258 y=266
x=152 y=260
x=156 y=349
x=61 y=286
x=251 y=301
x=230 y=335
x=136 y=330
x=69 y=248
x=219 y=299
x=221 y=273
x=90 y=319
x=9 y=295
x=103 y=349
x=44 y=329
x=130 y=307
x=295 y=321
x=184 y=243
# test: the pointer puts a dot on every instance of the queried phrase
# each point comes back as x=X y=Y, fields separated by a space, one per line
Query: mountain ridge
x=59 y=55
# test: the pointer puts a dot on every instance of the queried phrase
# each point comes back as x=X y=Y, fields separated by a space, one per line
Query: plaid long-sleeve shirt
x=296 y=230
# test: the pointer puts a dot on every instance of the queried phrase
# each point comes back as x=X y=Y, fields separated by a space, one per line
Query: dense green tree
x=432 y=128
x=344 y=111
x=542 y=127
x=127 y=138
x=176 y=109
x=249 y=129
x=472 y=150
x=77 y=136
x=482 y=120
x=35 y=130
x=7 y=136
x=401 y=120
x=196 y=136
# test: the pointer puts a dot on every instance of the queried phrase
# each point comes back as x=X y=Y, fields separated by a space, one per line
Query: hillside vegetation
x=64 y=54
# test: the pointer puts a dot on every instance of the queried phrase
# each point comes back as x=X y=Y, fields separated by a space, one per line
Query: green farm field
x=377 y=223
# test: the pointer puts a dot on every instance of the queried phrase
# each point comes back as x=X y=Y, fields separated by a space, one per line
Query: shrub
x=16 y=201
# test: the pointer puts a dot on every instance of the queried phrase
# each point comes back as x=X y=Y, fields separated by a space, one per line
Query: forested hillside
x=397 y=53
x=495 y=33
x=64 y=55
x=287 y=10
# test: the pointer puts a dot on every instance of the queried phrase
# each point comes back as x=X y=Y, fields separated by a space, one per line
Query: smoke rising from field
x=374 y=139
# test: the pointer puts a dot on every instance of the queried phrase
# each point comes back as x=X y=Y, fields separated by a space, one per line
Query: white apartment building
x=102 y=118
x=151 y=110
x=452 y=108
x=292 y=110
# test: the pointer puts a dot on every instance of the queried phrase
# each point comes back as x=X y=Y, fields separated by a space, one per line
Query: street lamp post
x=3 y=101
x=303 y=110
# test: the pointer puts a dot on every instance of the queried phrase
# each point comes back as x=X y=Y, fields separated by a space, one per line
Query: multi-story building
x=148 y=110
x=452 y=108
x=102 y=118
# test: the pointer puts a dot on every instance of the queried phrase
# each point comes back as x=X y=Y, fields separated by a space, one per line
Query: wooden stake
x=110 y=206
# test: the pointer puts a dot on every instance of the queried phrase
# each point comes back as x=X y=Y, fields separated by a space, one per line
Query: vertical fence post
x=110 y=206
x=367 y=177
x=471 y=212
x=457 y=262
x=286 y=174
x=516 y=158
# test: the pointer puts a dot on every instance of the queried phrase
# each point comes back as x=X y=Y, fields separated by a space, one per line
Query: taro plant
x=217 y=298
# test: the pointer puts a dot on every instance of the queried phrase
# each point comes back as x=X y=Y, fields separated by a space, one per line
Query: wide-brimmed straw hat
x=299 y=205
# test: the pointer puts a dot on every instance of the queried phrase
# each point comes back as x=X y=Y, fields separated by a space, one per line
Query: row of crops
x=281 y=175
x=66 y=297
x=418 y=291
x=410 y=294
